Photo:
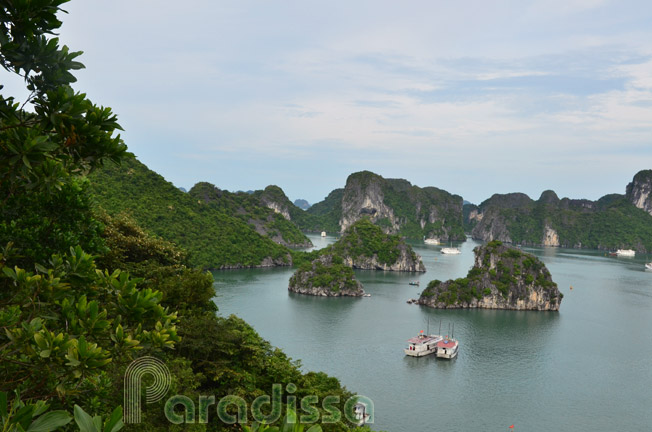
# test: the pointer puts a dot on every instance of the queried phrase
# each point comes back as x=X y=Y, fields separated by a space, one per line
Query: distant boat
x=422 y=345
x=415 y=283
x=450 y=251
x=366 y=295
x=648 y=266
x=626 y=252
x=323 y=233
x=431 y=241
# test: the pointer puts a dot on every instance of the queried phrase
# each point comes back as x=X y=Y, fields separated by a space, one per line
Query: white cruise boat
x=447 y=348
x=422 y=345
x=648 y=266
x=450 y=251
x=323 y=233
x=431 y=241
x=625 y=252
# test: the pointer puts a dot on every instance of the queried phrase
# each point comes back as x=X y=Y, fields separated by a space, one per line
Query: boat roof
x=423 y=339
x=446 y=343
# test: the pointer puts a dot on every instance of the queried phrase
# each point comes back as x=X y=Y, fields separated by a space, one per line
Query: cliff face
x=407 y=261
x=365 y=246
x=326 y=276
x=501 y=278
x=639 y=191
x=364 y=196
x=396 y=206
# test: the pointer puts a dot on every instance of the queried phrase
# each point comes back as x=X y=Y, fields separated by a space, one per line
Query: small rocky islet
x=362 y=246
x=502 y=277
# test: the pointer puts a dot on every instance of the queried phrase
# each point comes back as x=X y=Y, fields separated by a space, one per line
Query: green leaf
x=290 y=421
x=50 y=421
x=84 y=421
x=114 y=423
x=314 y=428
x=3 y=405
x=24 y=416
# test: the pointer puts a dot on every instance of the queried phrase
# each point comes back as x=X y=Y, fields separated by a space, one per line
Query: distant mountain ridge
x=302 y=204
x=613 y=221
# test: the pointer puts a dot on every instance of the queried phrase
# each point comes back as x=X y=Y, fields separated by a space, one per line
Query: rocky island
x=502 y=277
x=365 y=246
x=327 y=276
x=329 y=272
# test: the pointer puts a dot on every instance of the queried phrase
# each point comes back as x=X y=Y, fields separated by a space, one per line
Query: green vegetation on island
x=366 y=246
x=325 y=276
x=502 y=277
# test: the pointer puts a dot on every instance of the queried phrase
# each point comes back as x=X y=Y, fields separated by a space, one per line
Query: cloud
x=273 y=92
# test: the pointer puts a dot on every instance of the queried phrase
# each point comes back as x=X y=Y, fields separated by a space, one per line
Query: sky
x=475 y=97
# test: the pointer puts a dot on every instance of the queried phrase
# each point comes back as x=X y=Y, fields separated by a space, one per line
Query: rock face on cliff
x=395 y=205
x=502 y=277
x=326 y=276
x=267 y=211
x=639 y=191
x=612 y=222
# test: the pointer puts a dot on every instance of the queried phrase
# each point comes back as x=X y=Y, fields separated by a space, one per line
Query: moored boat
x=626 y=252
x=450 y=251
x=422 y=345
x=648 y=266
x=431 y=241
x=323 y=233
x=414 y=283
x=447 y=348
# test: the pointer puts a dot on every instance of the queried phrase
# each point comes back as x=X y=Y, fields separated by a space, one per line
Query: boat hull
x=447 y=353
x=419 y=353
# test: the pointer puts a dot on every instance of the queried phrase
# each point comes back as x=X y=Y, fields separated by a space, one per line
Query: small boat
x=414 y=283
x=422 y=345
x=431 y=241
x=366 y=295
x=648 y=266
x=447 y=348
x=323 y=233
x=626 y=252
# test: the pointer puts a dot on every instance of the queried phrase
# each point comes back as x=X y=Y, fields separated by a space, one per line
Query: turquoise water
x=586 y=368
